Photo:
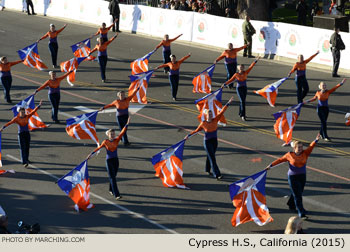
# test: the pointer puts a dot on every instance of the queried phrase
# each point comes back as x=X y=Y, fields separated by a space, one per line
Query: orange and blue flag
x=71 y=65
x=285 y=122
x=82 y=49
x=76 y=184
x=213 y=103
x=29 y=105
x=31 y=57
x=248 y=196
x=168 y=165
x=202 y=82
x=137 y=80
x=140 y=65
x=83 y=127
x=270 y=91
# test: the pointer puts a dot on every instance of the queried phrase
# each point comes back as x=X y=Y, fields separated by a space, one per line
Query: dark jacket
x=114 y=8
x=337 y=42
x=301 y=8
x=248 y=30
x=4 y=230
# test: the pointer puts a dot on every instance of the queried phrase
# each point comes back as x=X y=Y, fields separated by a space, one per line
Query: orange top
x=175 y=66
x=111 y=145
x=21 y=121
x=210 y=126
x=301 y=67
x=53 y=84
x=241 y=77
x=166 y=43
x=323 y=96
x=103 y=31
x=232 y=54
x=103 y=47
x=52 y=35
x=7 y=67
x=121 y=104
x=347 y=123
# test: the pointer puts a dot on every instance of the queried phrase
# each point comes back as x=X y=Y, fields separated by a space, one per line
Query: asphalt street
x=147 y=207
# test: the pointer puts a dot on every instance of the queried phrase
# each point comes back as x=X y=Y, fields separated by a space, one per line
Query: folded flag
x=71 y=65
x=270 y=91
x=202 y=82
x=168 y=165
x=137 y=80
x=31 y=57
x=285 y=121
x=83 y=127
x=29 y=104
x=76 y=184
x=7 y=171
x=211 y=102
x=82 y=49
x=248 y=196
x=140 y=65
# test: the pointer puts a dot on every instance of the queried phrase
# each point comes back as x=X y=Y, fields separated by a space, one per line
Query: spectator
x=167 y=4
x=316 y=10
x=24 y=5
x=337 y=45
x=177 y=4
x=114 y=10
x=201 y=8
x=195 y=6
x=2 y=5
x=248 y=32
x=229 y=13
x=183 y=5
x=46 y=6
x=302 y=12
x=172 y=5
x=30 y=4
x=162 y=4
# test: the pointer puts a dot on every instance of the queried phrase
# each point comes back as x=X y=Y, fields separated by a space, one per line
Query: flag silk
x=140 y=65
x=142 y=80
x=285 y=121
x=31 y=57
x=76 y=184
x=34 y=121
x=248 y=196
x=202 y=82
x=211 y=102
x=82 y=49
x=71 y=65
x=270 y=91
x=6 y=171
x=83 y=127
x=168 y=166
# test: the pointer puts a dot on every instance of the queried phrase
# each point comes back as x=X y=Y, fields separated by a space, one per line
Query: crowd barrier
x=271 y=38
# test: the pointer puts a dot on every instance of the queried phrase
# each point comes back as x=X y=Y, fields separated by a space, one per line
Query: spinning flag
x=285 y=121
x=137 y=80
x=140 y=65
x=31 y=57
x=202 y=82
x=270 y=91
x=71 y=65
x=248 y=196
x=213 y=103
x=76 y=184
x=83 y=127
x=34 y=121
x=82 y=49
x=168 y=165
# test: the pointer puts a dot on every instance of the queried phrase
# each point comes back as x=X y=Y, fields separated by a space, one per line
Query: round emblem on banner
x=234 y=32
x=99 y=11
x=161 y=20
x=123 y=15
x=142 y=17
x=325 y=45
x=292 y=40
x=65 y=5
x=201 y=27
x=82 y=8
x=262 y=36
x=179 y=22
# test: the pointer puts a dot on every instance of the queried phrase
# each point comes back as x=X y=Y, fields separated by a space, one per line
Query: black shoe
x=219 y=177
x=304 y=217
x=9 y=101
x=245 y=55
x=119 y=31
x=251 y=56
x=25 y=165
x=29 y=14
x=34 y=14
x=57 y=121
x=127 y=144
x=118 y=197
x=335 y=75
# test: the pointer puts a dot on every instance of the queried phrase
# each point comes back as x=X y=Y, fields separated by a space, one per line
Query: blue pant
x=297 y=184
x=112 y=166
x=302 y=87
x=242 y=94
x=102 y=60
x=231 y=69
x=6 y=82
x=323 y=112
x=53 y=47
x=55 y=103
x=210 y=147
x=24 y=144
x=174 y=84
x=166 y=59
x=122 y=120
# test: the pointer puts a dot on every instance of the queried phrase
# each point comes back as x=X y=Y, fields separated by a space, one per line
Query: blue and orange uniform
x=6 y=78
x=323 y=109
x=166 y=50
x=241 y=87
x=300 y=78
x=53 y=44
x=296 y=176
x=174 y=74
x=23 y=134
x=103 y=32
x=211 y=142
x=102 y=56
x=54 y=93
x=230 y=56
x=112 y=161
x=122 y=114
